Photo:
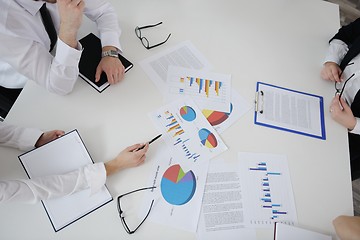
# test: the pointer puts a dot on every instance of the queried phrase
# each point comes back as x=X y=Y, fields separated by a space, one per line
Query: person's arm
x=331 y=68
x=29 y=56
x=25 y=138
x=106 y=19
x=91 y=176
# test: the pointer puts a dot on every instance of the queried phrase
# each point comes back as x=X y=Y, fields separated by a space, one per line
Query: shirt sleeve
x=356 y=129
x=57 y=74
x=91 y=176
x=18 y=137
x=106 y=20
x=336 y=52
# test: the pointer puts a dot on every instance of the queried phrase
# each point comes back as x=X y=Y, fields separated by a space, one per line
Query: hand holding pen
x=152 y=140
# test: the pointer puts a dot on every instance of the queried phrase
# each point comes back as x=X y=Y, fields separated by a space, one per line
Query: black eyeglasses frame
x=144 y=40
x=120 y=211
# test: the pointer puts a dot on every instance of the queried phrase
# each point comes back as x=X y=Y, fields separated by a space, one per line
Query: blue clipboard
x=259 y=110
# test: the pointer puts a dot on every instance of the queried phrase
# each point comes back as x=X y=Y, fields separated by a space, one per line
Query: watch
x=110 y=53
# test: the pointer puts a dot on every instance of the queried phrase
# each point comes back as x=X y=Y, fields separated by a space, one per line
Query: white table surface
x=282 y=42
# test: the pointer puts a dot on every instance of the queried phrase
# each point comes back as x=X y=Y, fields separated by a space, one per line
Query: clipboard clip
x=259 y=102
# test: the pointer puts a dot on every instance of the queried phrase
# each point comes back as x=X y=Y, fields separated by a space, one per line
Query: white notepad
x=60 y=156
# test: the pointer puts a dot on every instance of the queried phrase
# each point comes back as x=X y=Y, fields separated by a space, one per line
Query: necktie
x=49 y=25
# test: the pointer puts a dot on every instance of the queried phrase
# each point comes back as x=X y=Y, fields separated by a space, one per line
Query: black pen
x=152 y=140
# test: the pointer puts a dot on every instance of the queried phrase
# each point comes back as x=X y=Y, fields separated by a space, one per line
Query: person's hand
x=347 y=227
x=332 y=72
x=71 y=12
x=113 y=69
x=127 y=158
x=341 y=113
x=48 y=137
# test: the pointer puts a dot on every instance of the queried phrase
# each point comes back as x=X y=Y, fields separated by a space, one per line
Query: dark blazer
x=349 y=34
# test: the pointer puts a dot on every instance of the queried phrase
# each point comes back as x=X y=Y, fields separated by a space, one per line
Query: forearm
x=57 y=74
x=336 y=52
x=18 y=137
x=33 y=190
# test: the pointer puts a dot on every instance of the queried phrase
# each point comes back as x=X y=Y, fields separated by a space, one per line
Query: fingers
x=335 y=75
x=115 y=76
x=113 y=69
x=59 y=133
x=331 y=71
x=134 y=147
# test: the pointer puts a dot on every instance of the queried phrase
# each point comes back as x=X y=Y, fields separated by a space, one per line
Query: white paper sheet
x=209 y=90
x=223 y=120
x=286 y=232
x=182 y=55
x=222 y=214
x=186 y=131
x=268 y=194
x=179 y=190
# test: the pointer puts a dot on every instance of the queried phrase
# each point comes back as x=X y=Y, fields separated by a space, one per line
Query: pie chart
x=207 y=138
x=178 y=187
x=188 y=113
x=216 y=117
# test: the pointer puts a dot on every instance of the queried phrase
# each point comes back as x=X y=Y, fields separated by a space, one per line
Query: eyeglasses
x=144 y=40
x=127 y=229
x=339 y=90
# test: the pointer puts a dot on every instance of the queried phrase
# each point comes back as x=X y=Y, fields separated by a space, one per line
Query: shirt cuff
x=29 y=137
x=67 y=55
x=336 y=52
x=110 y=39
x=96 y=176
x=356 y=129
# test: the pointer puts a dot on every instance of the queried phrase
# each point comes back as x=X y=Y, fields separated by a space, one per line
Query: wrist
x=38 y=142
x=352 y=125
x=112 y=167
x=68 y=38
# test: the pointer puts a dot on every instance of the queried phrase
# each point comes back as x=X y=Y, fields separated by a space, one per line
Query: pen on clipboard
x=152 y=140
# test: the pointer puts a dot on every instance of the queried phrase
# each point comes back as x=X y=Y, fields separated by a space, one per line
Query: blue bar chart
x=271 y=198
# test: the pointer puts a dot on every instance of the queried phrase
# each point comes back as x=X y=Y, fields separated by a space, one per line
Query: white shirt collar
x=30 y=5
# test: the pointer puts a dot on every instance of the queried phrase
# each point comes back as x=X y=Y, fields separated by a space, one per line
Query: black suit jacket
x=349 y=34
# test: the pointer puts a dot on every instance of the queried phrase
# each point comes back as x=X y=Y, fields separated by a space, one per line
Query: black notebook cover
x=90 y=59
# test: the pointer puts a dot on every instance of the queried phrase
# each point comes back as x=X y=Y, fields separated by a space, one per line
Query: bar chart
x=269 y=196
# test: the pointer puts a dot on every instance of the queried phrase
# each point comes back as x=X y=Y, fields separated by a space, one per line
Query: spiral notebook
x=90 y=59
x=63 y=155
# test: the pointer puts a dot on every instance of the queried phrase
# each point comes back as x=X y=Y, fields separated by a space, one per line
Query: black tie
x=49 y=25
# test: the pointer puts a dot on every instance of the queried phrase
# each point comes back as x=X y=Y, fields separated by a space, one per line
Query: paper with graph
x=179 y=190
x=268 y=194
x=186 y=131
x=208 y=90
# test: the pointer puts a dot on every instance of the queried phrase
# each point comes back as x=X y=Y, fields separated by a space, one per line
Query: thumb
x=344 y=104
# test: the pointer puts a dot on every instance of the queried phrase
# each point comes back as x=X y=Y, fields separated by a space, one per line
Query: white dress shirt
x=337 y=51
x=91 y=176
x=25 y=44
